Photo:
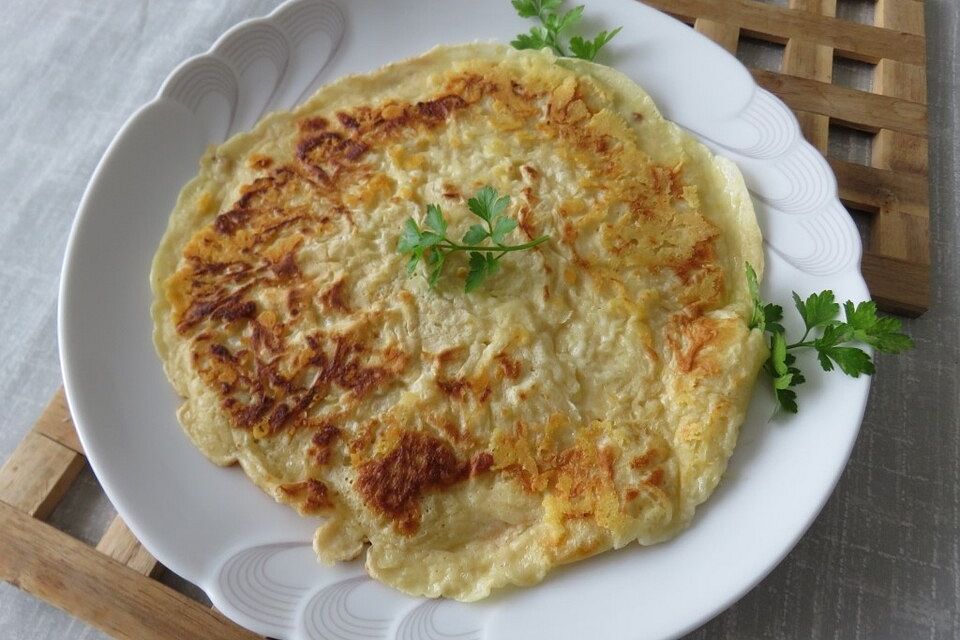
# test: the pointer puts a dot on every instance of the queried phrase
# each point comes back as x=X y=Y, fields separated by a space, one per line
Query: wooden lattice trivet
x=111 y=586
x=894 y=187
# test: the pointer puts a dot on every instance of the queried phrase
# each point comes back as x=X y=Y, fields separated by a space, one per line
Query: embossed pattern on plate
x=276 y=588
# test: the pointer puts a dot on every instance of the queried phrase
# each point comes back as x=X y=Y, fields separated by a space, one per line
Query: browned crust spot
x=457 y=389
x=393 y=484
x=311 y=496
x=481 y=462
x=319 y=449
x=259 y=161
x=317 y=123
x=509 y=368
x=451 y=192
x=334 y=298
x=688 y=338
x=278 y=401
x=227 y=309
x=650 y=457
x=286 y=267
x=229 y=221
x=655 y=478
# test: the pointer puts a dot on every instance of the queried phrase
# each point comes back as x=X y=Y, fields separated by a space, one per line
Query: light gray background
x=882 y=561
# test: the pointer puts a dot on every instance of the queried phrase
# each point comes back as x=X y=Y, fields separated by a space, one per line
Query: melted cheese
x=588 y=396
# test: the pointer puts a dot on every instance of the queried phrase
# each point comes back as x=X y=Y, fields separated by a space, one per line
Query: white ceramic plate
x=253 y=556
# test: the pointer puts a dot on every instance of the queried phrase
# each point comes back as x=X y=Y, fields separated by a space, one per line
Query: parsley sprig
x=831 y=338
x=554 y=25
x=431 y=245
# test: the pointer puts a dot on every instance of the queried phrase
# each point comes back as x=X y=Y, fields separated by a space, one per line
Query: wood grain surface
x=37 y=474
x=119 y=543
x=897 y=233
x=857 y=41
x=813 y=61
x=55 y=423
x=855 y=109
x=70 y=575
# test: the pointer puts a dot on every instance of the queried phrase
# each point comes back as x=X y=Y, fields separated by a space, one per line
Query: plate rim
x=71 y=368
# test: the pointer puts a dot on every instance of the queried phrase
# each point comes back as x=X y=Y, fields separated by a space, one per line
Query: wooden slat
x=55 y=423
x=726 y=35
x=893 y=150
x=894 y=234
x=853 y=40
x=37 y=475
x=74 y=577
x=857 y=109
x=806 y=59
x=815 y=128
x=897 y=234
x=869 y=188
x=120 y=544
x=904 y=80
x=901 y=151
x=898 y=286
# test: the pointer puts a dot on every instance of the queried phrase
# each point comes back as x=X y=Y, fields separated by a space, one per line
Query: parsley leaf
x=526 y=8
x=772 y=315
x=780 y=372
x=764 y=317
x=819 y=309
x=797 y=376
x=501 y=228
x=481 y=267
x=475 y=235
x=557 y=23
x=432 y=246
x=535 y=39
x=535 y=8
x=883 y=334
x=758 y=318
x=778 y=354
x=413 y=262
x=787 y=400
x=429 y=239
x=588 y=49
x=553 y=24
x=487 y=203
x=852 y=361
x=835 y=345
x=435 y=219
x=435 y=261
x=410 y=237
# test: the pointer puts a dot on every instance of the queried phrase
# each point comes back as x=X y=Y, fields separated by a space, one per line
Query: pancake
x=587 y=396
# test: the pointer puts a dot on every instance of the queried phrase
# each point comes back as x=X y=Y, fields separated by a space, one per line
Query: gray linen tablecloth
x=882 y=560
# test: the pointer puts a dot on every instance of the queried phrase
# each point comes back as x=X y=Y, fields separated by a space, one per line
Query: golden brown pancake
x=586 y=397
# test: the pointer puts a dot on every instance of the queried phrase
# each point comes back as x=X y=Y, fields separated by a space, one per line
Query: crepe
x=586 y=397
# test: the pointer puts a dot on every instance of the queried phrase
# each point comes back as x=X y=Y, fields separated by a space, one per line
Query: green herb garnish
x=431 y=246
x=832 y=338
x=554 y=24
